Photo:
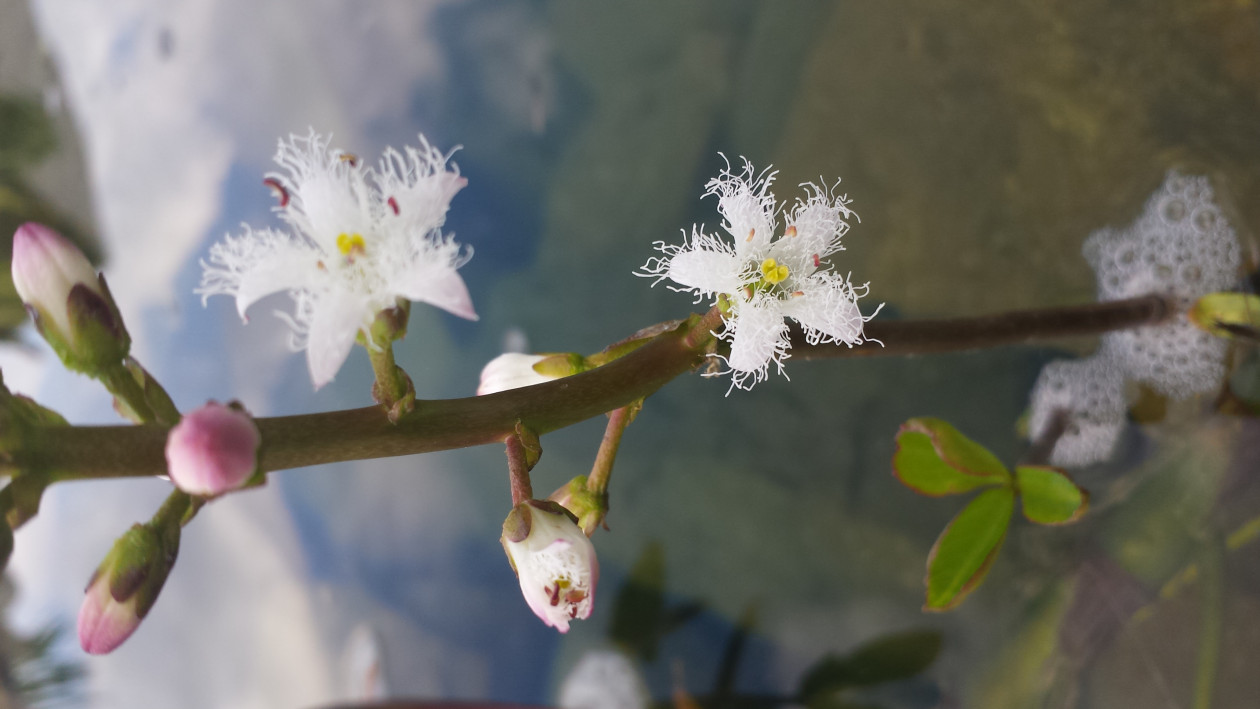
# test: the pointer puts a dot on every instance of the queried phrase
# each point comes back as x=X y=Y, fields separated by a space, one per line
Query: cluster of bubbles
x=1181 y=246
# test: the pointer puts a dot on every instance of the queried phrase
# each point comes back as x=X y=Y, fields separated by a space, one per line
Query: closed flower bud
x=125 y=586
x=70 y=304
x=511 y=370
x=212 y=450
x=554 y=561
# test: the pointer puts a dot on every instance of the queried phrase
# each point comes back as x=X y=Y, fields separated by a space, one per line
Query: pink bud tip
x=103 y=622
x=213 y=450
x=45 y=267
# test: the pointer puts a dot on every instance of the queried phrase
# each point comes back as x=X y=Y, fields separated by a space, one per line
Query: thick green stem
x=393 y=388
x=310 y=439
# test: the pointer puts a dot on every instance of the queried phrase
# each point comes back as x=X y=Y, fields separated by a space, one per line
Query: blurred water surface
x=981 y=144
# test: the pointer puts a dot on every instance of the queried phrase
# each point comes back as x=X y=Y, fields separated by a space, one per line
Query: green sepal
x=530 y=443
x=98 y=339
x=587 y=506
x=1229 y=315
x=963 y=554
x=934 y=459
x=18 y=416
x=1049 y=496
x=563 y=364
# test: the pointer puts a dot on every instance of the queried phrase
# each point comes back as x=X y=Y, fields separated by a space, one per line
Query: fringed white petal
x=707 y=271
x=430 y=276
x=747 y=205
x=328 y=191
x=420 y=185
x=257 y=264
x=827 y=309
x=814 y=231
x=758 y=335
x=336 y=317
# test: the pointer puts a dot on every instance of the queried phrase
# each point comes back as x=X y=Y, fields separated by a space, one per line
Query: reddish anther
x=817 y=262
x=393 y=204
x=279 y=189
x=350 y=158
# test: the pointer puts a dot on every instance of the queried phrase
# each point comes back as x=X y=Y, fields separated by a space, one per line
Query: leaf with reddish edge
x=1049 y=496
x=966 y=549
x=934 y=459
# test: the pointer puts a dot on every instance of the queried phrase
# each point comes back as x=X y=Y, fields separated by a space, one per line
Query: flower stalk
x=392 y=389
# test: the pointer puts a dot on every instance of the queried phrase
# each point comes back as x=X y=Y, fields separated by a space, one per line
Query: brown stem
x=518 y=470
x=917 y=337
x=311 y=439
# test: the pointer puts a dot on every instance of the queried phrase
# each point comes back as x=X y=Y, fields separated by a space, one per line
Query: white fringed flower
x=363 y=238
x=761 y=278
x=554 y=562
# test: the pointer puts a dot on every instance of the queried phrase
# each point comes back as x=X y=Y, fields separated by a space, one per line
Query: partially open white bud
x=554 y=561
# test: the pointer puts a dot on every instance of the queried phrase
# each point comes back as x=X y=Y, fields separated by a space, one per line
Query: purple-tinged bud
x=45 y=267
x=125 y=586
x=554 y=561
x=69 y=302
x=212 y=450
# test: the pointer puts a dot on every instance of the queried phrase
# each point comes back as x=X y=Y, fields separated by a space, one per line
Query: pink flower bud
x=105 y=623
x=212 y=450
x=46 y=266
x=554 y=561
x=126 y=585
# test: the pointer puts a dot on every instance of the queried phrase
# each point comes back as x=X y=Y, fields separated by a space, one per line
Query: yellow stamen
x=790 y=231
x=349 y=158
x=351 y=245
x=773 y=271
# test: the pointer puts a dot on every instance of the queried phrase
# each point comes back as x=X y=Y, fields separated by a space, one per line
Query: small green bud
x=588 y=507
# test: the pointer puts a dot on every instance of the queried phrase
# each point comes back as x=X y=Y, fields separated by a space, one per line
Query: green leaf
x=1049 y=495
x=966 y=549
x=934 y=459
x=885 y=659
x=1228 y=315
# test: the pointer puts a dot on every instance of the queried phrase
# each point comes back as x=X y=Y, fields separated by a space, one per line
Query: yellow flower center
x=773 y=271
x=351 y=245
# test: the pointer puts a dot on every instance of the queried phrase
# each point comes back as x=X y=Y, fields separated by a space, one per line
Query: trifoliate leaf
x=1049 y=495
x=934 y=459
x=966 y=549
